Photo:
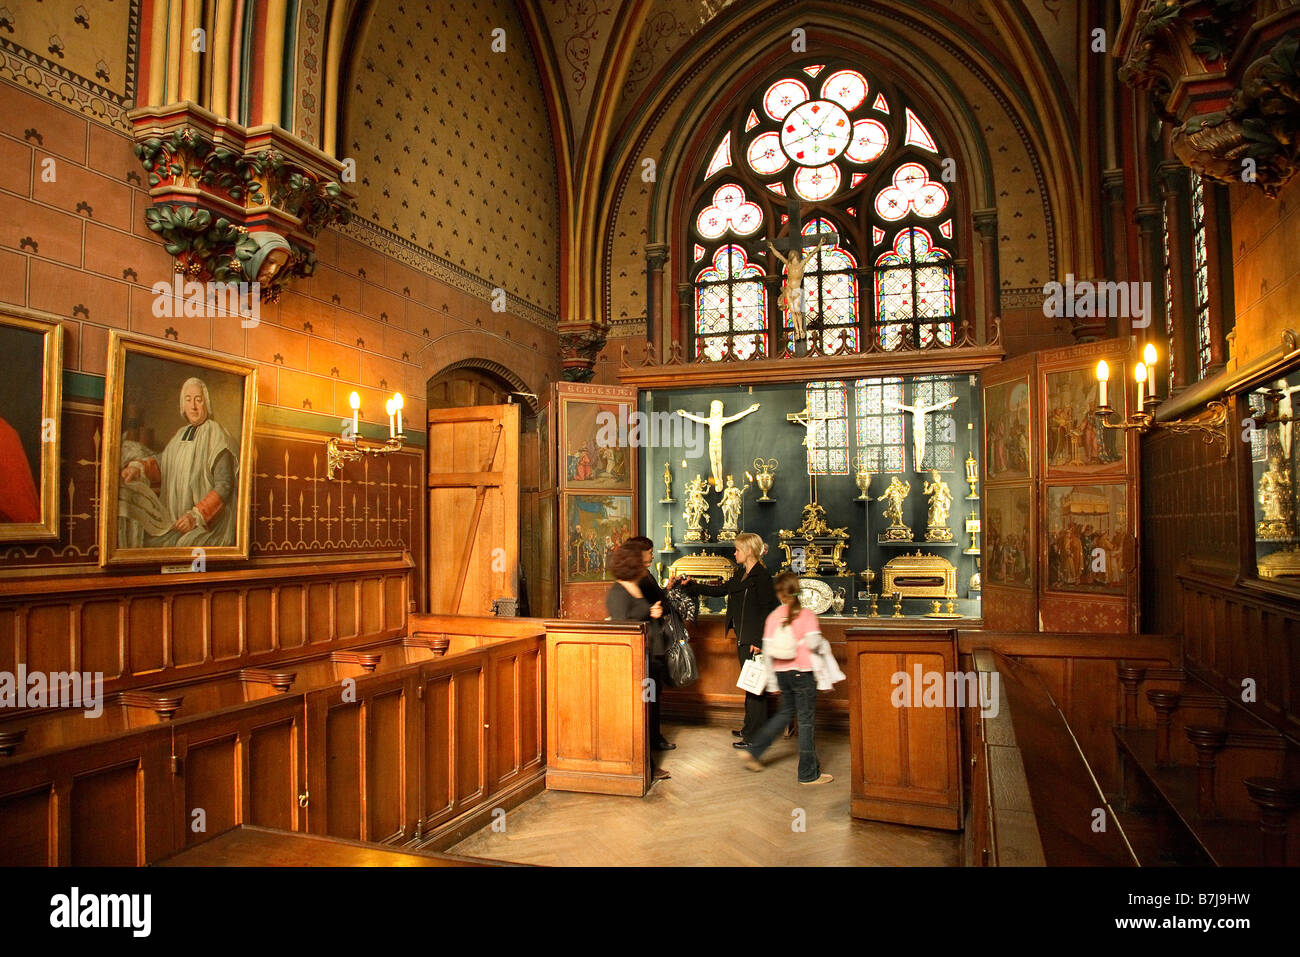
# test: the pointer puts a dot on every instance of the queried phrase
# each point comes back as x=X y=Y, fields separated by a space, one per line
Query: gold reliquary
x=705 y=568
x=819 y=547
x=919 y=576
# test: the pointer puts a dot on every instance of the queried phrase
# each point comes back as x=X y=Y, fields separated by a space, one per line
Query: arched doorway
x=481 y=382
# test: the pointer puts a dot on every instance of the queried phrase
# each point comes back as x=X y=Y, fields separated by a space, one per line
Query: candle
x=389 y=406
x=354 y=400
x=1103 y=374
x=1149 y=358
x=397 y=404
x=1140 y=373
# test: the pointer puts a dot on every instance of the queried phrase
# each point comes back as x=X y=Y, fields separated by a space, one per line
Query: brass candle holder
x=1212 y=427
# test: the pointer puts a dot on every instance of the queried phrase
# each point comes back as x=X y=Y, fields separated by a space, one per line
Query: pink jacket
x=814 y=651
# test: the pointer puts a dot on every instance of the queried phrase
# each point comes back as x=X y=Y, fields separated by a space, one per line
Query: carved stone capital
x=1148 y=217
x=578 y=351
x=234 y=204
x=656 y=254
x=986 y=222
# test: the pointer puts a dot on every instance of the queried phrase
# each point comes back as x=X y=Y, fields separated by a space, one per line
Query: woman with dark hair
x=627 y=601
x=792 y=642
x=750 y=600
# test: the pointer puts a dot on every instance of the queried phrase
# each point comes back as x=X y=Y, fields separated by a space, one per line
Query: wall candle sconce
x=339 y=451
x=1212 y=427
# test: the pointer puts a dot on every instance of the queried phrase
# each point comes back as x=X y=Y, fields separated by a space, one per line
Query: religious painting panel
x=1075 y=441
x=594 y=526
x=178 y=454
x=1008 y=536
x=1086 y=530
x=30 y=395
x=1007 y=430
x=595 y=453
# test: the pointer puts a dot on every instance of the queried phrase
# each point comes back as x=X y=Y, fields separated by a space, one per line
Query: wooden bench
x=417 y=747
x=1216 y=783
x=1035 y=800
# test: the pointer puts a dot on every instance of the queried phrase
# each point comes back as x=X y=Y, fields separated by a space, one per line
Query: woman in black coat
x=629 y=599
x=751 y=599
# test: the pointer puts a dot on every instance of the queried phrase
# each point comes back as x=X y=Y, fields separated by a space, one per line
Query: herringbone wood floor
x=713 y=812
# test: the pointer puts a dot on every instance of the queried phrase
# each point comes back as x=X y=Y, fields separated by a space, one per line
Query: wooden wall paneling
x=452 y=717
x=515 y=712
x=99 y=637
x=257 y=617
x=597 y=727
x=905 y=760
x=45 y=644
x=361 y=765
x=102 y=804
x=226 y=624
x=290 y=617
x=320 y=613
x=189 y=620
x=241 y=766
x=10 y=637
x=345 y=609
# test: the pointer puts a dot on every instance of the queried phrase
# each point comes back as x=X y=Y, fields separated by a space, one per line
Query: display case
x=840 y=478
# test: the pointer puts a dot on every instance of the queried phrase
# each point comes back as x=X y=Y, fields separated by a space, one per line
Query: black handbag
x=679 y=657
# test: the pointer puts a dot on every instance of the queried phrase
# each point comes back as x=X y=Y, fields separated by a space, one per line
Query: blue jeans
x=798 y=696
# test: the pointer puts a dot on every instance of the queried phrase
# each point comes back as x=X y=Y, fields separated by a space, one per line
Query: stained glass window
x=1201 y=278
x=823 y=147
x=828 y=435
x=1169 y=294
x=940 y=425
x=914 y=292
x=730 y=307
x=879 y=424
x=830 y=292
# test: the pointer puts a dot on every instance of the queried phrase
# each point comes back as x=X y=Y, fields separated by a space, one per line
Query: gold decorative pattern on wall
x=453 y=146
x=309 y=78
x=81 y=53
x=369 y=506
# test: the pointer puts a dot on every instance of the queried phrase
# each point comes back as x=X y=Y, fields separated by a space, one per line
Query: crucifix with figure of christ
x=919 y=412
x=796 y=262
x=808 y=421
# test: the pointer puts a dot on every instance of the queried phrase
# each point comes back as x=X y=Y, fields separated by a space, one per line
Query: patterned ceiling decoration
x=580 y=32
x=82 y=54
x=453 y=148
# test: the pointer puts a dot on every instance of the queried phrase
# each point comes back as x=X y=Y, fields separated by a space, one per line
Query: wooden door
x=473 y=508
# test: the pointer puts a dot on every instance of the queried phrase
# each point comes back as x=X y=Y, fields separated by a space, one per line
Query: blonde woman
x=794 y=676
x=750 y=600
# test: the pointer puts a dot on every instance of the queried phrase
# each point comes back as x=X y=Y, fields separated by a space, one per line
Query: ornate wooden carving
x=235 y=205
x=1224 y=73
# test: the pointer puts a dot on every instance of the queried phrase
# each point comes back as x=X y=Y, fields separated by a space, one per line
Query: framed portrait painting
x=30 y=397
x=178 y=446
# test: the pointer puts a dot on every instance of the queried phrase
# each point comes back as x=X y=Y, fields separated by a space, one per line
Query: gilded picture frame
x=170 y=467
x=30 y=425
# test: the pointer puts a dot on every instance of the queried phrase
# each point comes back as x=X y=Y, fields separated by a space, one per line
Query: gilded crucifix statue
x=715 y=420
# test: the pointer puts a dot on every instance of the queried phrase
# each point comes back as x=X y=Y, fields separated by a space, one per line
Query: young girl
x=795 y=678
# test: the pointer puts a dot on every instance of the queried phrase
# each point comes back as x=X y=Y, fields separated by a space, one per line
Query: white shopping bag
x=753 y=676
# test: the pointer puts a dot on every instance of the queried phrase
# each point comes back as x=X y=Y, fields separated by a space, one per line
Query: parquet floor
x=713 y=812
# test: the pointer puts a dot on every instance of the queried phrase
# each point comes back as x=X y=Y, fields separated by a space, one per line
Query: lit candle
x=1140 y=373
x=1149 y=358
x=1103 y=375
x=389 y=406
x=397 y=404
x=354 y=400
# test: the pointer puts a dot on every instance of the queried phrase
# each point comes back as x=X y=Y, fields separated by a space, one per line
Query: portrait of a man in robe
x=179 y=468
x=29 y=436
